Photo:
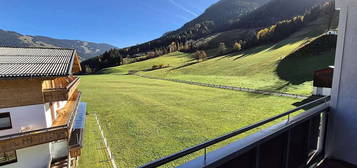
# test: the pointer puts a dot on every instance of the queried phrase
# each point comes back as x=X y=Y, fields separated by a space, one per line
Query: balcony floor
x=330 y=163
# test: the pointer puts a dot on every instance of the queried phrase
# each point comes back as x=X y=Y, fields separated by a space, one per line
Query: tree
x=222 y=48
x=237 y=46
x=173 y=47
x=204 y=55
x=201 y=55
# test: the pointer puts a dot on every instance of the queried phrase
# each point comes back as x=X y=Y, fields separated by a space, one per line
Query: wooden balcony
x=32 y=138
x=67 y=113
x=60 y=130
x=60 y=89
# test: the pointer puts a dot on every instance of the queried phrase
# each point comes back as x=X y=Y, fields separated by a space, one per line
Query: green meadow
x=268 y=67
x=147 y=119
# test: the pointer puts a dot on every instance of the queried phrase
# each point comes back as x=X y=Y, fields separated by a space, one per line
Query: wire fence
x=256 y=91
x=111 y=158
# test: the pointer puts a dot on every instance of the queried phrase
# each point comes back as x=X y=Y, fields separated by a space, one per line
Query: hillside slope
x=276 y=10
x=265 y=67
x=217 y=17
x=217 y=27
x=85 y=49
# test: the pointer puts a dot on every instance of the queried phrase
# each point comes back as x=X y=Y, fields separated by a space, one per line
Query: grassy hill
x=227 y=21
x=146 y=119
x=286 y=66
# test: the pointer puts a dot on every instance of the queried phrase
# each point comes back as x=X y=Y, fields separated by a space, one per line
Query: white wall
x=321 y=91
x=342 y=123
x=48 y=114
x=32 y=157
x=59 y=149
x=25 y=116
x=56 y=106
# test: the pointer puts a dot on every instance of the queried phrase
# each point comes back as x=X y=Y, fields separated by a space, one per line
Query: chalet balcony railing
x=61 y=93
x=293 y=143
x=61 y=130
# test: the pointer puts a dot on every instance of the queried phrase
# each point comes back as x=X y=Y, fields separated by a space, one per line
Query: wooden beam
x=24 y=140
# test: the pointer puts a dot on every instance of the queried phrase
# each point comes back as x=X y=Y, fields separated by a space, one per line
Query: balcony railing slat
x=61 y=94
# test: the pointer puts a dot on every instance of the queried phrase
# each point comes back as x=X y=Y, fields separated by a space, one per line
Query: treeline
x=275 y=11
x=115 y=57
x=285 y=28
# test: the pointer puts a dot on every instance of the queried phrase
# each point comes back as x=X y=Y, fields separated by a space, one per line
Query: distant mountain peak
x=84 y=49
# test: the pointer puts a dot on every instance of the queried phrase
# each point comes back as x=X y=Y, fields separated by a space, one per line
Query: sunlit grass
x=147 y=119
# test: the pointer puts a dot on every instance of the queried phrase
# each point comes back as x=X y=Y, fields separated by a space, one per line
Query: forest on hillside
x=284 y=24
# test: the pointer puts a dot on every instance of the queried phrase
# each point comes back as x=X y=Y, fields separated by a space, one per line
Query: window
x=7 y=158
x=5 y=121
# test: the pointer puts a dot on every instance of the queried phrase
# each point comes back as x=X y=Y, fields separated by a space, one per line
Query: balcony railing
x=63 y=91
x=295 y=142
x=67 y=114
x=60 y=130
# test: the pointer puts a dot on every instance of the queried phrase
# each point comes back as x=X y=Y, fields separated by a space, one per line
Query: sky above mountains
x=118 y=22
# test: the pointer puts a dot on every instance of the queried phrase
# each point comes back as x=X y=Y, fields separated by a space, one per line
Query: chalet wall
x=32 y=116
x=59 y=149
x=56 y=106
x=32 y=157
x=14 y=93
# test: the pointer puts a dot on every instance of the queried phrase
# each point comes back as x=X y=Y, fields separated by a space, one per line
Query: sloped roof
x=36 y=62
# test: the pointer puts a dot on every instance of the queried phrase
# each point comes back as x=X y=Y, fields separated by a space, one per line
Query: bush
x=160 y=66
x=237 y=46
x=222 y=49
x=201 y=55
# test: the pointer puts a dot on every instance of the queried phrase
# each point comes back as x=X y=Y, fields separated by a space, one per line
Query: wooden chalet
x=41 y=116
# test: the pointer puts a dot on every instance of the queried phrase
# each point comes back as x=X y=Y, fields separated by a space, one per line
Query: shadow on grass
x=300 y=66
x=305 y=101
x=288 y=42
x=183 y=66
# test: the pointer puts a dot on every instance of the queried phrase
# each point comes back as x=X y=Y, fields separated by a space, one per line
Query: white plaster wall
x=59 y=149
x=32 y=157
x=48 y=114
x=342 y=125
x=320 y=91
x=25 y=116
x=56 y=106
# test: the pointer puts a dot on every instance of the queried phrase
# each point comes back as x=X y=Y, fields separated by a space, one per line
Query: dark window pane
x=5 y=121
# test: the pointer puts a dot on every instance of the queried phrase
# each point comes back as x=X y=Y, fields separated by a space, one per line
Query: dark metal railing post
x=287 y=154
x=205 y=157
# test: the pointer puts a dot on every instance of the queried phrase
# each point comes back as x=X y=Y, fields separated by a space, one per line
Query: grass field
x=94 y=153
x=147 y=119
x=262 y=67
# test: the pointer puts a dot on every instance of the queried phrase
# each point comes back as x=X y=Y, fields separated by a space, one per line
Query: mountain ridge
x=85 y=49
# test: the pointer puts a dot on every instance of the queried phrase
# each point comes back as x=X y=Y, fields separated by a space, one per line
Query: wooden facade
x=21 y=92
x=61 y=129
x=67 y=113
x=28 y=139
x=59 y=89
x=41 y=100
x=75 y=152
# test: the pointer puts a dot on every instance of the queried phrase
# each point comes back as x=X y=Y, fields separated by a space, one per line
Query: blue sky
x=118 y=22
